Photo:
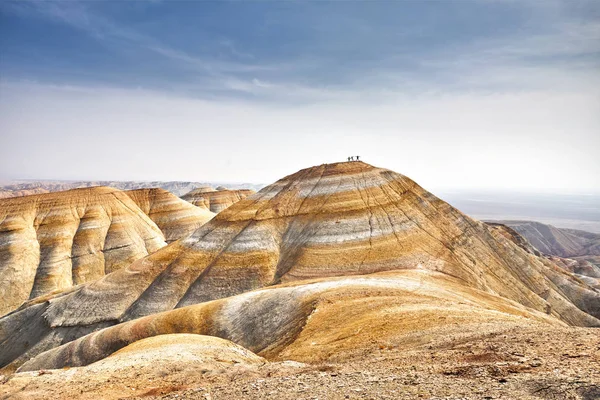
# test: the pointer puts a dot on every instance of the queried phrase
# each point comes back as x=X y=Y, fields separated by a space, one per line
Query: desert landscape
x=341 y=280
x=299 y=200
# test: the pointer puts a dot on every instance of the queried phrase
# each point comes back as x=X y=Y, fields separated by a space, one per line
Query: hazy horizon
x=470 y=95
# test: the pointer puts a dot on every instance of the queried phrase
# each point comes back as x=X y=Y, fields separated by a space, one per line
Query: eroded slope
x=310 y=321
x=53 y=241
x=176 y=218
x=216 y=200
x=327 y=221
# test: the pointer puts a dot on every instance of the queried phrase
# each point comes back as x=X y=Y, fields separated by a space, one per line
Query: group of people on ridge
x=354 y=158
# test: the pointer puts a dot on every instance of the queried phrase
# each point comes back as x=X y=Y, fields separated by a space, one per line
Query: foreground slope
x=175 y=218
x=216 y=200
x=310 y=321
x=483 y=361
x=333 y=220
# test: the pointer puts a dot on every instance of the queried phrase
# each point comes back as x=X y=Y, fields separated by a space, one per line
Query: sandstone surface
x=176 y=218
x=216 y=200
x=314 y=321
x=53 y=241
x=346 y=234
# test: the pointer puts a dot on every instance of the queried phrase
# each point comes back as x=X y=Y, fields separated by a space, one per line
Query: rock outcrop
x=53 y=241
x=216 y=200
x=176 y=218
x=330 y=232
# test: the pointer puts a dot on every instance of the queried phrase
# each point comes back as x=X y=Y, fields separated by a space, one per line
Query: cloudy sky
x=455 y=94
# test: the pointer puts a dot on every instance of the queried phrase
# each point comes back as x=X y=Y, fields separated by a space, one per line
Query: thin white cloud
x=79 y=16
x=520 y=61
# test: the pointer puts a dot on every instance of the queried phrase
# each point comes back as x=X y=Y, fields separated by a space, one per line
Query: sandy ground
x=502 y=361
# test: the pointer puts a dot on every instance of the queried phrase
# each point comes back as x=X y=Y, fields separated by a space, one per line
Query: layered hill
x=176 y=218
x=51 y=242
x=216 y=200
x=340 y=247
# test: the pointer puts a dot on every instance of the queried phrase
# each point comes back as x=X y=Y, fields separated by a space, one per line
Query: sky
x=482 y=94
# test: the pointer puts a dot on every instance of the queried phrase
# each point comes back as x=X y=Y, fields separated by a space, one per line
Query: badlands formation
x=216 y=200
x=51 y=242
x=339 y=281
x=175 y=218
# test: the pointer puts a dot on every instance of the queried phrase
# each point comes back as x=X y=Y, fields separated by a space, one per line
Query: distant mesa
x=54 y=241
x=313 y=258
x=216 y=200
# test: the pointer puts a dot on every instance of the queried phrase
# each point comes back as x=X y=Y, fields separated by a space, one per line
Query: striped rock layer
x=311 y=321
x=216 y=200
x=174 y=217
x=327 y=221
x=51 y=242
